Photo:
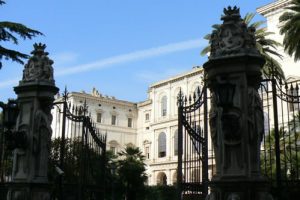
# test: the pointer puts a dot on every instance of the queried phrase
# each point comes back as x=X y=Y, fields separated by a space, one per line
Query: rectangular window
x=147 y=117
x=113 y=150
x=129 y=122
x=147 y=152
x=164 y=112
x=113 y=119
x=99 y=117
x=162 y=154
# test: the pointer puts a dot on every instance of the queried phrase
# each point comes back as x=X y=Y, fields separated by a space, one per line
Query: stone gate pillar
x=35 y=93
x=233 y=75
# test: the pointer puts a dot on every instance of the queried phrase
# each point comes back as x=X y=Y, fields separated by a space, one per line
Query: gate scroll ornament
x=236 y=116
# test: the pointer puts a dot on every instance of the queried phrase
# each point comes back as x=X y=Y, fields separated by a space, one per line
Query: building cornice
x=144 y=103
x=271 y=7
x=102 y=99
x=194 y=72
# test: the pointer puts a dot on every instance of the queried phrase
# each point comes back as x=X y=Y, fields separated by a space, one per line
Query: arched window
x=161 y=179
x=113 y=146
x=164 y=106
x=197 y=92
x=176 y=143
x=162 y=145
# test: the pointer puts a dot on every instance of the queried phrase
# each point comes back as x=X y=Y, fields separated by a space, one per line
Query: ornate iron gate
x=77 y=153
x=192 y=145
x=280 y=148
x=280 y=152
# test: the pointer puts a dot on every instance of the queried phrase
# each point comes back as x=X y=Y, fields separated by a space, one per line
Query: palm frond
x=291 y=29
x=207 y=37
x=205 y=51
x=248 y=18
x=216 y=26
x=258 y=24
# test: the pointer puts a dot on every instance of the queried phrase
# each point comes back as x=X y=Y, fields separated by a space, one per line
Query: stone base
x=239 y=190
x=33 y=191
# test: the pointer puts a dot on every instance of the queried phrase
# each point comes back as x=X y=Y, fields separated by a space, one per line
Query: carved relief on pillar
x=232 y=137
x=226 y=126
x=233 y=37
x=255 y=127
x=41 y=140
x=215 y=114
x=20 y=169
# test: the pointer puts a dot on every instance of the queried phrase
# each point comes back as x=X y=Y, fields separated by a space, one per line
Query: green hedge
x=160 y=193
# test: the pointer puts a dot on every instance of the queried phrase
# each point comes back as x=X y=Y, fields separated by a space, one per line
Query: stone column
x=35 y=93
x=233 y=75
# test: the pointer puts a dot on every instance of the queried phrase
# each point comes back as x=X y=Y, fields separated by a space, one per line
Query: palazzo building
x=151 y=125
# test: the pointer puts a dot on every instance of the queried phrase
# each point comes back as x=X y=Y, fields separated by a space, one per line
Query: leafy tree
x=266 y=46
x=131 y=171
x=291 y=29
x=76 y=155
x=9 y=31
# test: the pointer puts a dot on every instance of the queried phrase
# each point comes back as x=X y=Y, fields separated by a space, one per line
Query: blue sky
x=118 y=46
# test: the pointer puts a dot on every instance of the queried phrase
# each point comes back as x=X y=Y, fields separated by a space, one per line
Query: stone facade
x=272 y=12
x=140 y=124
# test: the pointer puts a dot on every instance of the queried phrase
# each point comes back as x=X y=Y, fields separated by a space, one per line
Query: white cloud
x=134 y=56
x=64 y=58
x=114 y=60
x=151 y=77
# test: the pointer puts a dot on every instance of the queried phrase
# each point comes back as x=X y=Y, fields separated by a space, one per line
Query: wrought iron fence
x=280 y=148
x=5 y=161
x=280 y=152
x=77 y=157
x=192 y=145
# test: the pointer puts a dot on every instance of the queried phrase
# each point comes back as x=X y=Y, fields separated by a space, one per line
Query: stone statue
x=215 y=130
x=39 y=66
x=255 y=127
x=41 y=140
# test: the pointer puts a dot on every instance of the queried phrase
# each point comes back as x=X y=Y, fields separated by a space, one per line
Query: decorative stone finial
x=233 y=38
x=39 y=66
x=231 y=13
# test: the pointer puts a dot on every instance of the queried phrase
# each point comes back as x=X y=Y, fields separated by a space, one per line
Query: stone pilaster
x=35 y=93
